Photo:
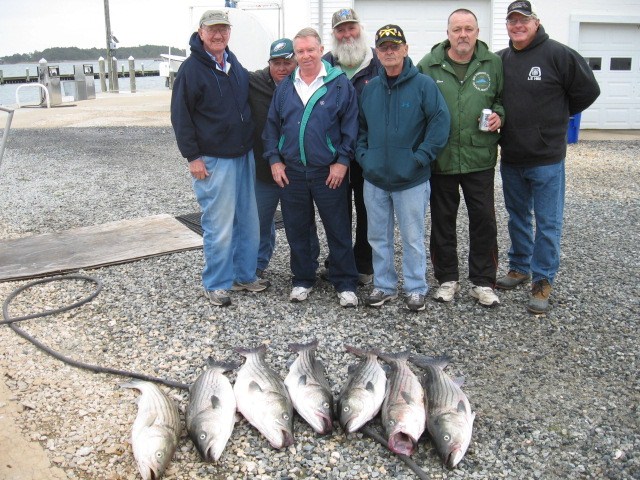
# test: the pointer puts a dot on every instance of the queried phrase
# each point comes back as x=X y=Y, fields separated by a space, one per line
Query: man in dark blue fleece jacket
x=212 y=122
x=544 y=83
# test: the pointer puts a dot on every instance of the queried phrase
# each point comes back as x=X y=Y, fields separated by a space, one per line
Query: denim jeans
x=298 y=197
x=410 y=208
x=539 y=192
x=229 y=221
x=267 y=198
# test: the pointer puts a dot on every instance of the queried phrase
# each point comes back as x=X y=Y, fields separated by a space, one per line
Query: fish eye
x=392 y=422
x=203 y=436
x=325 y=405
x=346 y=408
x=159 y=454
x=446 y=437
x=285 y=416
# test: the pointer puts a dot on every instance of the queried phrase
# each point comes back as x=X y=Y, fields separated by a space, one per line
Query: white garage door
x=424 y=22
x=613 y=54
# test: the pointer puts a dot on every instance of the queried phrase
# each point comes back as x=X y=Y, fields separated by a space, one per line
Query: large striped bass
x=262 y=398
x=155 y=431
x=449 y=415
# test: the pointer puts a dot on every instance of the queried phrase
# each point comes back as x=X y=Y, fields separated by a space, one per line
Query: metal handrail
x=46 y=92
x=5 y=134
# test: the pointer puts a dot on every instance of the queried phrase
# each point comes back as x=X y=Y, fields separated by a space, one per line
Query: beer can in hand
x=484 y=120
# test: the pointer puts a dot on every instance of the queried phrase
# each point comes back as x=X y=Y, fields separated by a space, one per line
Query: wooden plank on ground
x=89 y=247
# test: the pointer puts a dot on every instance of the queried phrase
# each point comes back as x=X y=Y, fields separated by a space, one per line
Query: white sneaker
x=485 y=295
x=299 y=294
x=447 y=291
x=348 y=299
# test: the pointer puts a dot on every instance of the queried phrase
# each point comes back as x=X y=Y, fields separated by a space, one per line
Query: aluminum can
x=484 y=120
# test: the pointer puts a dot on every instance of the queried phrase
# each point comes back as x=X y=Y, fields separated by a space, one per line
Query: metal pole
x=5 y=134
x=107 y=22
x=132 y=74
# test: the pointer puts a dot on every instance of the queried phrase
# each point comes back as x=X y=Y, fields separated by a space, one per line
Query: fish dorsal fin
x=254 y=387
x=351 y=369
x=462 y=408
x=302 y=380
x=370 y=386
x=215 y=401
x=407 y=398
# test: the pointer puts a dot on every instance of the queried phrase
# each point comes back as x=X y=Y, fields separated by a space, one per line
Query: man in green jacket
x=470 y=78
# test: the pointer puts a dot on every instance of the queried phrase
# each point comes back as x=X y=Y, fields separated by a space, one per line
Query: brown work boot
x=511 y=280
x=539 y=299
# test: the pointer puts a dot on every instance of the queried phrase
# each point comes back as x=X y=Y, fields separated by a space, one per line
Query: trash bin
x=574 y=128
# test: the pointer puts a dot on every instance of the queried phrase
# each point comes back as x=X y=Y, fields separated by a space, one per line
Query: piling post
x=1 y=77
x=28 y=79
x=115 y=87
x=103 y=78
x=132 y=74
x=141 y=69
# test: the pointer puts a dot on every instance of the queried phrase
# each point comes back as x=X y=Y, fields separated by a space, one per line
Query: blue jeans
x=267 y=198
x=298 y=197
x=410 y=208
x=229 y=221
x=539 y=192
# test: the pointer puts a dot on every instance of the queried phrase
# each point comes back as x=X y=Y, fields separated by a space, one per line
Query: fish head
x=355 y=411
x=208 y=439
x=403 y=436
x=451 y=433
x=154 y=454
x=278 y=422
x=317 y=410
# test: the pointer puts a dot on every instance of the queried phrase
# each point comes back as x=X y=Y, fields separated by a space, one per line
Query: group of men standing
x=366 y=123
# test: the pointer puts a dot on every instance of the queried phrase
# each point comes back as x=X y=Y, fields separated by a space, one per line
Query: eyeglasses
x=384 y=47
x=521 y=21
x=212 y=30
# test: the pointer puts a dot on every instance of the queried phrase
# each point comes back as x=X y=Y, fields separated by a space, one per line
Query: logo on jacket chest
x=481 y=81
x=535 y=73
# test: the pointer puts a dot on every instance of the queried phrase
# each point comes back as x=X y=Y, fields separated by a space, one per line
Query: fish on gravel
x=262 y=398
x=403 y=409
x=155 y=431
x=363 y=393
x=211 y=410
x=309 y=388
x=449 y=415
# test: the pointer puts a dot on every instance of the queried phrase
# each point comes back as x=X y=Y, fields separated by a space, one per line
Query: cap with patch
x=390 y=33
x=344 y=15
x=214 y=17
x=282 y=48
x=522 y=6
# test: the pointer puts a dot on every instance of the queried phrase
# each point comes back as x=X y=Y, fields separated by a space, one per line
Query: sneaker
x=365 y=278
x=447 y=291
x=415 y=302
x=260 y=273
x=485 y=296
x=219 y=298
x=511 y=280
x=377 y=298
x=299 y=294
x=256 y=286
x=539 y=299
x=348 y=299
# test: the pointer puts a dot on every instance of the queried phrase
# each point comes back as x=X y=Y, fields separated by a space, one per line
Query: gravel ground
x=556 y=395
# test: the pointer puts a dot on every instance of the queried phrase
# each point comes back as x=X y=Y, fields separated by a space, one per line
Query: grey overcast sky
x=30 y=25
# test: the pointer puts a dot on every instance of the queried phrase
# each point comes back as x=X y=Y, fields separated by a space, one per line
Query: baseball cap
x=214 y=17
x=521 y=6
x=390 y=33
x=281 y=48
x=344 y=15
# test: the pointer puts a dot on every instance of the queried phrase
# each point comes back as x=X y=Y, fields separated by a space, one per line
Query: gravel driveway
x=556 y=395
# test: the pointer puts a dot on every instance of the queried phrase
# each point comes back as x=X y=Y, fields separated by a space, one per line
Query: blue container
x=574 y=128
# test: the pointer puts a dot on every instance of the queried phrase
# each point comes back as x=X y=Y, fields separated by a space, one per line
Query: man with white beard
x=351 y=53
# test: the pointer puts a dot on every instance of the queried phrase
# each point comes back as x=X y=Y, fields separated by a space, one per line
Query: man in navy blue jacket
x=309 y=140
x=212 y=122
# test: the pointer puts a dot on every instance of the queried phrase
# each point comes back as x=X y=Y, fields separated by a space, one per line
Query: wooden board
x=88 y=247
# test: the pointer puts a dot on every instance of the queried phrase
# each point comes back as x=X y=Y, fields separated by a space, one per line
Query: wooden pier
x=70 y=76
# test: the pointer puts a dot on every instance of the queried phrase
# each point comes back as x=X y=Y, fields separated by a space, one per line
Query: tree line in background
x=62 y=54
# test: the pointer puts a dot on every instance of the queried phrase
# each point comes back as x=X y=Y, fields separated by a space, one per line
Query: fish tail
x=134 y=383
x=399 y=357
x=425 y=361
x=223 y=366
x=298 y=347
x=247 y=351
x=359 y=352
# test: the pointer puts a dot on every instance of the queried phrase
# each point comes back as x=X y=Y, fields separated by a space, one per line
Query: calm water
x=31 y=95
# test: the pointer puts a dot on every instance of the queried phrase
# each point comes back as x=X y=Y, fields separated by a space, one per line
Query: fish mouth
x=210 y=454
x=402 y=444
x=454 y=457
x=287 y=439
x=326 y=424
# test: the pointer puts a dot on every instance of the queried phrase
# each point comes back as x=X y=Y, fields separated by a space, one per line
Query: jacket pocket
x=524 y=142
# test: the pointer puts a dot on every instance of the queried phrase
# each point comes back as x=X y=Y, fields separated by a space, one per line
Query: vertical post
x=141 y=69
x=103 y=81
x=1 y=77
x=28 y=77
x=107 y=22
x=132 y=74
x=115 y=87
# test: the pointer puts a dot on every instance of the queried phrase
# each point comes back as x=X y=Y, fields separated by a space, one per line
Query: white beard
x=350 y=54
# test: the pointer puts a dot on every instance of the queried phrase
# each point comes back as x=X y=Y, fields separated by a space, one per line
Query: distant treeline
x=61 y=54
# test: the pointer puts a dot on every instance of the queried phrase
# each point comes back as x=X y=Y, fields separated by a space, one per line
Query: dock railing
x=5 y=134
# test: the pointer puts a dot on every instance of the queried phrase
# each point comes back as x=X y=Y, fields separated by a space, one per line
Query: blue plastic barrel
x=574 y=128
